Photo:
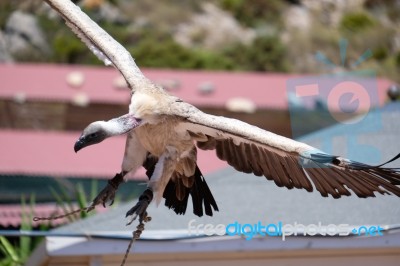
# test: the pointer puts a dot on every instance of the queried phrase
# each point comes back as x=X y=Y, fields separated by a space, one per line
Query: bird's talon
x=140 y=208
x=131 y=219
x=108 y=193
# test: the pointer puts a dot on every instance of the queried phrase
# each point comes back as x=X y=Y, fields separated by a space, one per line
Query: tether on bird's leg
x=108 y=193
x=136 y=235
x=36 y=219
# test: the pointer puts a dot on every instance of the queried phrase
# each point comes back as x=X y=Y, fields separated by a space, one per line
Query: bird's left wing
x=101 y=43
x=287 y=162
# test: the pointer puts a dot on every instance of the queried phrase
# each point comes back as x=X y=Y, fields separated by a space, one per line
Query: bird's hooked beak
x=80 y=144
x=90 y=139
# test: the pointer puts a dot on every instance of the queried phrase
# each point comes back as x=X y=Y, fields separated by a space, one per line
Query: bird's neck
x=121 y=125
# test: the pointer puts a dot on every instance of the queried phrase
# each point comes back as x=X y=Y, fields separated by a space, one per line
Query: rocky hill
x=299 y=36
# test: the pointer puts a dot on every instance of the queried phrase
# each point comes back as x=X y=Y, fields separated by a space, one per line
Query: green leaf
x=7 y=262
x=61 y=203
x=8 y=249
x=93 y=188
x=26 y=225
x=81 y=199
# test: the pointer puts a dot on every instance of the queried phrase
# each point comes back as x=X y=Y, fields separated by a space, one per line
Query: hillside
x=260 y=35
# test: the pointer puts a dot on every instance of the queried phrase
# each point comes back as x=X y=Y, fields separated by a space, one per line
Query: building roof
x=225 y=250
x=51 y=154
x=48 y=82
x=11 y=214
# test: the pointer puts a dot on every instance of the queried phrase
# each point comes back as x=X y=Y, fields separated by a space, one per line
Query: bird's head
x=94 y=133
x=98 y=131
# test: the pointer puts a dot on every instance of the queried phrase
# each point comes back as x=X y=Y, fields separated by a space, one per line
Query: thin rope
x=62 y=215
x=135 y=235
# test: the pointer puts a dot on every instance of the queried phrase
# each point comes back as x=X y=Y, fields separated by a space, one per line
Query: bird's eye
x=93 y=135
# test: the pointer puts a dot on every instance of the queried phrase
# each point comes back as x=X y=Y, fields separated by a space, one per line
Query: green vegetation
x=357 y=22
x=6 y=7
x=255 y=13
x=265 y=54
x=168 y=54
x=155 y=48
x=16 y=252
x=149 y=26
x=397 y=60
x=66 y=201
x=65 y=46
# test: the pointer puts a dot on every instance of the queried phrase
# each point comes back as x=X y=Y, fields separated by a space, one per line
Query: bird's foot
x=140 y=208
x=108 y=193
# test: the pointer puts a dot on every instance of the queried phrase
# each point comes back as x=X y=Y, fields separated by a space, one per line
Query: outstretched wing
x=287 y=162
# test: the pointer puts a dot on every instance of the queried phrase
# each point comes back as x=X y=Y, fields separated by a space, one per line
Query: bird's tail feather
x=172 y=201
x=200 y=193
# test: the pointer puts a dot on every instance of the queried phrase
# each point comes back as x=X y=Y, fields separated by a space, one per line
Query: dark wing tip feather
x=361 y=178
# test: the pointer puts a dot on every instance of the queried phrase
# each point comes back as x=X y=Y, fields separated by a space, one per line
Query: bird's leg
x=139 y=210
x=158 y=180
x=108 y=193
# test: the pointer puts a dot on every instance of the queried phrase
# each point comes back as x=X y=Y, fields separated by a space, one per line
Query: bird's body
x=162 y=140
x=155 y=138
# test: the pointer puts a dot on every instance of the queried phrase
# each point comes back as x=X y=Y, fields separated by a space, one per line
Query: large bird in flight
x=164 y=133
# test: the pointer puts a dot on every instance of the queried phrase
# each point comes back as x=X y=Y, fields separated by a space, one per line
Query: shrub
x=397 y=60
x=252 y=13
x=168 y=54
x=357 y=22
x=265 y=54
x=380 y=53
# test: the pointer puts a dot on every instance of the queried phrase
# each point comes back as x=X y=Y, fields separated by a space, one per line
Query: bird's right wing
x=287 y=162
